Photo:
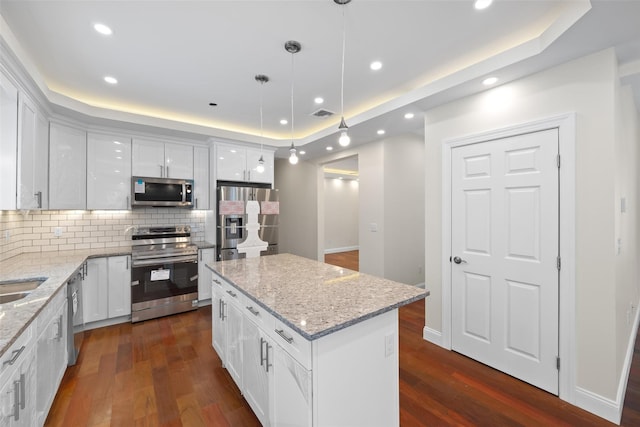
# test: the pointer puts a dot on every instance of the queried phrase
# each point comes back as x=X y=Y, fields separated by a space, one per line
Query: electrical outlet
x=57 y=231
x=389 y=344
x=7 y=235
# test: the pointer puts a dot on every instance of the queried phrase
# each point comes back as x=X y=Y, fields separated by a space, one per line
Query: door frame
x=567 y=141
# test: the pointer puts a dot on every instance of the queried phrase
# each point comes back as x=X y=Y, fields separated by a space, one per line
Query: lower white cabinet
x=204 y=274
x=227 y=321
x=18 y=382
x=51 y=347
x=291 y=390
x=257 y=371
x=106 y=288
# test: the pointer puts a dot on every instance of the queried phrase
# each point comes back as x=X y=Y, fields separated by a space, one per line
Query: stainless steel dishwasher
x=75 y=324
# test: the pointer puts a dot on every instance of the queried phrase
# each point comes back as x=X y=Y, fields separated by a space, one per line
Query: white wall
x=341 y=215
x=585 y=86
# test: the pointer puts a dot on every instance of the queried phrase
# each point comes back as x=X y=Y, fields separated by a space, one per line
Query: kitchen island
x=309 y=343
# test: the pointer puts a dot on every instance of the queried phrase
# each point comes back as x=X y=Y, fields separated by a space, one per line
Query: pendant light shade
x=262 y=79
x=344 y=139
x=292 y=47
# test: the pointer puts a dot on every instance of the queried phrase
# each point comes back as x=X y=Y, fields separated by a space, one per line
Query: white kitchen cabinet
x=258 y=358
x=234 y=163
x=201 y=179
x=67 y=167
x=218 y=325
x=33 y=156
x=95 y=291
x=108 y=171
x=18 y=383
x=292 y=404
x=106 y=288
x=227 y=327
x=119 y=279
x=204 y=273
x=161 y=159
x=51 y=357
x=8 y=142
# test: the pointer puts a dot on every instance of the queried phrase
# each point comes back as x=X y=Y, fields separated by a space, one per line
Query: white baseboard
x=433 y=336
x=344 y=249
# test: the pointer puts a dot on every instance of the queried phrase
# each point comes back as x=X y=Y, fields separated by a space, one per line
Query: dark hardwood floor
x=164 y=372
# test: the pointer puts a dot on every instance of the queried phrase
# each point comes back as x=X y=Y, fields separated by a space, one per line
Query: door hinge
x=558 y=363
x=558 y=160
x=558 y=263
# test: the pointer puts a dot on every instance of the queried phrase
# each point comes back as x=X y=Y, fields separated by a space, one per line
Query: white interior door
x=504 y=241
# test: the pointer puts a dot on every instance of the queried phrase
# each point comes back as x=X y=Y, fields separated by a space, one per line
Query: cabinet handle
x=196 y=206
x=268 y=364
x=262 y=358
x=128 y=204
x=233 y=294
x=249 y=175
x=222 y=310
x=284 y=336
x=16 y=400
x=127 y=263
x=23 y=391
x=39 y=198
x=161 y=171
x=200 y=253
x=253 y=311
x=59 y=329
x=167 y=171
x=16 y=354
x=217 y=281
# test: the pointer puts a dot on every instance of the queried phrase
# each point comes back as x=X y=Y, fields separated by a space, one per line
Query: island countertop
x=313 y=298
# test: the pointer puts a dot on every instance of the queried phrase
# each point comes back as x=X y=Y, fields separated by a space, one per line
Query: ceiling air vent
x=322 y=113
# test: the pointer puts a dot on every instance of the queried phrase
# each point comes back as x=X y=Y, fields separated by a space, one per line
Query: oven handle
x=165 y=260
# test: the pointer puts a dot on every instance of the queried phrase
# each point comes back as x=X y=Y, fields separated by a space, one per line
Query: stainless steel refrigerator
x=232 y=218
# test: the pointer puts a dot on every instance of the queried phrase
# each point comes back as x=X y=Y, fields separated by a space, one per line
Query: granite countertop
x=57 y=268
x=313 y=298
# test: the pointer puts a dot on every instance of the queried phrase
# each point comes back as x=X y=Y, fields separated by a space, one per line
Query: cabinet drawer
x=293 y=343
x=50 y=310
x=233 y=295
x=257 y=314
x=15 y=354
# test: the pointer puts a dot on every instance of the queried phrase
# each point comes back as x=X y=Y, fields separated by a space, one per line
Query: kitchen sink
x=17 y=289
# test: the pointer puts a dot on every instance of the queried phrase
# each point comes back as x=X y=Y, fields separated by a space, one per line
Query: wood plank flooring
x=164 y=372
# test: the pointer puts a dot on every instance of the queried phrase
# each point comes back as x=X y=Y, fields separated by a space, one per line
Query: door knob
x=458 y=260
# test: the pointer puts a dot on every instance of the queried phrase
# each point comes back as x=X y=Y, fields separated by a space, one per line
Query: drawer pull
x=253 y=311
x=217 y=282
x=16 y=354
x=233 y=294
x=284 y=336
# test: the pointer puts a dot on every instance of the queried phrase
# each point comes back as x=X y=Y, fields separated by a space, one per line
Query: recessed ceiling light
x=302 y=153
x=380 y=132
x=111 y=80
x=375 y=65
x=489 y=81
x=318 y=100
x=329 y=148
x=283 y=121
x=103 y=29
x=409 y=116
x=482 y=4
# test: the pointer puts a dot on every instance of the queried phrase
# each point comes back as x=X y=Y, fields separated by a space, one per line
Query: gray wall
x=341 y=215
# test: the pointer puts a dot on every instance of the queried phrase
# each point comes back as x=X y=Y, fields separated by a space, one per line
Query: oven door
x=163 y=282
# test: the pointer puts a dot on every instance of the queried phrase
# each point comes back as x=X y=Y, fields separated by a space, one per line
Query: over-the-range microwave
x=161 y=192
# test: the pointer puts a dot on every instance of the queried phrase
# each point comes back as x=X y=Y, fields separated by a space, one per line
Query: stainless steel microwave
x=161 y=192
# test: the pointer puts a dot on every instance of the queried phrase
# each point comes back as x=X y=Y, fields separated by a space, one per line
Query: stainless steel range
x=164 y=274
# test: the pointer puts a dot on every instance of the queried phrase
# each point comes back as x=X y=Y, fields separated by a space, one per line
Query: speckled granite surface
x=56 y=268
x=314 y=298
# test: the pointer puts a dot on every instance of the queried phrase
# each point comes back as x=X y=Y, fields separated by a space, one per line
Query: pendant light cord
x=344 y=36
x=292 y=79
x=261 y=125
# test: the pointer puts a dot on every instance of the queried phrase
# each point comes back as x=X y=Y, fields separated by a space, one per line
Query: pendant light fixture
x=262 y=79
x=292 y=47
x=344 y=138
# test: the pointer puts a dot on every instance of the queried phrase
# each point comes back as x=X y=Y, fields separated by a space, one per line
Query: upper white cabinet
x=162 y=159
x=234 y=163
x=201 y=178
x=108 y=172
x=33 y=156
x=8 y=143
x=67 y=167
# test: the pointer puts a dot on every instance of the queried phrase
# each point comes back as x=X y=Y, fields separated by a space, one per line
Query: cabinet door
x=257 y=374
x=291 y=391
x=119 y=286
x=178 y=161
x=108 y=172
x=218 y=325
x=8 y=143
x=201 y=177
x=230 y=163
x=204 y=274
x=147 y=158
x=234 y=342
x=33 y=155
x=253 y=156
x=68 y=167
x=95 y=291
